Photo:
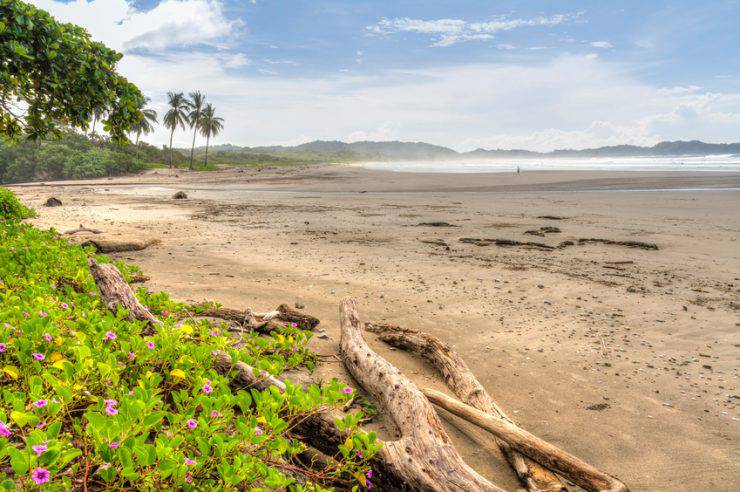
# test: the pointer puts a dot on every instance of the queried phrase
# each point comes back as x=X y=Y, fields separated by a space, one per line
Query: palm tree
x=176 y=115
x=196 y=103
x=210 y=126
x=145 y=125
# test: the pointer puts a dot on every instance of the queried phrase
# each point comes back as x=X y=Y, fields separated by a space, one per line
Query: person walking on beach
x=517 y=170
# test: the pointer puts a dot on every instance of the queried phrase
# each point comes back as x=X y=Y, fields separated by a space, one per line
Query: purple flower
x=188 y=477
x=40 y=403
x=111 y=410
x=47 y=337
x=150 y=345
x=257 y=431
x=207 y=387
x=111 y=403
x=164 y=313
x=4 y=431
x=114 y=444
x=42 y=314
x=3 y=347
x=41 y=424
x=38 y=356
x=192 y=424
x=39 y=449
x=64 y=305
x=189 y=462
x=215 y=414
x=109 y=336
x=348 y=390
x=131 y=356
x=40 y=476
x=369 y=473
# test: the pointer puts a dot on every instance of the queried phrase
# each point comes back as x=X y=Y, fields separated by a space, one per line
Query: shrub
x=11 y=208
x=87 y=396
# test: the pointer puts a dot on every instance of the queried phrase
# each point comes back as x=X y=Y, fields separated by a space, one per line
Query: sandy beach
x=626 y=357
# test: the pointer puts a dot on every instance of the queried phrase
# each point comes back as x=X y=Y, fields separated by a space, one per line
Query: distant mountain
x=371 y=150
x=399 y=151
x=662 y=149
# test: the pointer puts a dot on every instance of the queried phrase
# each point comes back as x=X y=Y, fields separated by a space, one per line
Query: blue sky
x=531 y=74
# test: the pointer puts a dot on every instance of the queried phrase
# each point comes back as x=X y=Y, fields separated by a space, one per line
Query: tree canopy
x=53 y=75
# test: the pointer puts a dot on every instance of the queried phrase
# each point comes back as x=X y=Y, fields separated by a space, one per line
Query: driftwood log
x=424 y=454
x=111 y=246
x=571 y=467
x=460 y=379
x=260 y=322
x=82 y=228
x=116 y=293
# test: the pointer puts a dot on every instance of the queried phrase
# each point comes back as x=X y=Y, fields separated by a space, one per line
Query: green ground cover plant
x=87 y=397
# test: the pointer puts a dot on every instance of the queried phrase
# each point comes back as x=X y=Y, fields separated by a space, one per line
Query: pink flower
x=111 y=410
x=188 y=477
x=111 y=403
x=42 y=314
x=40 y=403
x=348 y=390
x=189 y=462
x=64 y=305
x=131 y=393
x=109 y=336
x=38 y=356
x=257 y=431
x=114 y=444
x=150 y=345
x=40 y=476
x=39 y=449
x=4 y=431
x=207 y=387
x=215 y=414
x=3 y=347
x=91 y=293
x=41 y=424
x=369 y=473
x=164 y=313
x=192 y=424
x=47 y=337
x=131 y=356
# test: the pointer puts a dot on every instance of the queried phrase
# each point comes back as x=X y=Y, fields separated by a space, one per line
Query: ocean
x=715 y=163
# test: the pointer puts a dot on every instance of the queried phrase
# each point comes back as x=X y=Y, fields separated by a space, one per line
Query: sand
x=626 y=357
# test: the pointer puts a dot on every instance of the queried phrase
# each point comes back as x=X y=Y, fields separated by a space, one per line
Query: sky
x=466 y=74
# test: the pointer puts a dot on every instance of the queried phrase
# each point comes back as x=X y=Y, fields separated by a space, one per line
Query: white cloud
x=171 y=24
x=602 y=44
x=484 y=105
x=447 y=32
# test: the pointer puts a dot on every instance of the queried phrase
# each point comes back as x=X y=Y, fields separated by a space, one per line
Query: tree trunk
x=572 y=468
x=192 y=149
x=208 y=140
x=106 y=246
x=138 y=134
x=172 y=133
x=465 y=385
x=424 y=453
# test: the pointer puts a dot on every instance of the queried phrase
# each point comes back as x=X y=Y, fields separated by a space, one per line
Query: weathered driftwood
x=424 y=454
x=138 y=279
x=460 y=379
x=111 y=246
x=260 y=322
x=82 y=228
x=116 y=293
x=571 y=467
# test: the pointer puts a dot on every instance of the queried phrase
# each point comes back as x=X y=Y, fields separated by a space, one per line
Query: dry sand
x=626 y=357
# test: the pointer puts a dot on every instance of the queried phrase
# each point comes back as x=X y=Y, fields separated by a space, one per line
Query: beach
x=623 y=354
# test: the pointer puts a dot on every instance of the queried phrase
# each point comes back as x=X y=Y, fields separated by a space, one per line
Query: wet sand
x=626 y=357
